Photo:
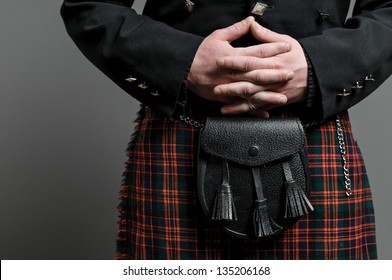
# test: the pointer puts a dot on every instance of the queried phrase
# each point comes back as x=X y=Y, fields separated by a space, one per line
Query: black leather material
x=248 y=143
x=236 y=138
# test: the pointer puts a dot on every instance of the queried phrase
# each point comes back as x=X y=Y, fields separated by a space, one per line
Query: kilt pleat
x=159 y=216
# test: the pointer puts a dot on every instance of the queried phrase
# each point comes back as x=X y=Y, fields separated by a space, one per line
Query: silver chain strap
x=342 y=147
x=197 y=124
x=191 y=122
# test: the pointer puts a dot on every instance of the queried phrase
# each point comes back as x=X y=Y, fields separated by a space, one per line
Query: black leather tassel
x=263 y=222
x=224 y=208
x=297 y=204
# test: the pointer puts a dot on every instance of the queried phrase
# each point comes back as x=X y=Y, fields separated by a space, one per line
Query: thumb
x=266 y=35
x=235 y=31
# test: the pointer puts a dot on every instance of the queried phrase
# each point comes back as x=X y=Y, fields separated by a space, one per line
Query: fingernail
x=250 y=19
x=283 y=99
x=290 y=75
x=217 y=90
x=220 y=62
x=288 y=46
x=223 y=110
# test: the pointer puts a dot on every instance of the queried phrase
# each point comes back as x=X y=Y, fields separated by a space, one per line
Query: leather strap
x=225 y=172
x=258 y=185
x=287 y=171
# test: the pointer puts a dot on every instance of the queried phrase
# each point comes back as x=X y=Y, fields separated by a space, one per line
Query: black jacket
x=149 y=55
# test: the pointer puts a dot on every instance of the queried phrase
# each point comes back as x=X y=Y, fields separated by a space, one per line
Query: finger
x=242 y=63
x=241 y=89
x=235 y=31
x=266 y=35
x=266 y=49
x=258 y=100
x=247 y=63
x=237 y=108
x=241 y=108
x=246 y=84
x=265 y=76
x=267 y=70
x=259 y=113
x=267 y=98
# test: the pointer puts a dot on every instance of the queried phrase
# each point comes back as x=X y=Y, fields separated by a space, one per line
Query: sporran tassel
x=263 y=223
x=297 y=204
x=224 y=208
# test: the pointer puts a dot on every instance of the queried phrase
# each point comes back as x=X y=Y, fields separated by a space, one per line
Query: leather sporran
x=253 y=178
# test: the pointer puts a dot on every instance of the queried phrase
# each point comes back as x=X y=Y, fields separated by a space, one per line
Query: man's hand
x=242 y=73
x=256 y=96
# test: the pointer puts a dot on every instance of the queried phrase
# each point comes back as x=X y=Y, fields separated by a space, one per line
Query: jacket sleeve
x=351 y=62
x=146 y=58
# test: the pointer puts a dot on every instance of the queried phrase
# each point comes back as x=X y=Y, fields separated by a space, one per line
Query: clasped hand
x=252 y=79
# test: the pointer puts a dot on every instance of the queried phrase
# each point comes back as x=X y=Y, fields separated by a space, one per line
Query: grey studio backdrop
x=64 y=129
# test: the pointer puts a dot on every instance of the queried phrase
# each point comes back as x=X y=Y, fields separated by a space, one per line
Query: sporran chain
x=191 y=122
x=342 y=148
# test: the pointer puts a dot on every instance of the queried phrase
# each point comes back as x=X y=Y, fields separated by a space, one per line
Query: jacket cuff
x=313 y=103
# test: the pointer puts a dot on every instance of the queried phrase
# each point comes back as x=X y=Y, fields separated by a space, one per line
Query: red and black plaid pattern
x=159 y=217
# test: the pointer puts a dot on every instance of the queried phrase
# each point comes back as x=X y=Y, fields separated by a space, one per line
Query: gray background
x=64 y=128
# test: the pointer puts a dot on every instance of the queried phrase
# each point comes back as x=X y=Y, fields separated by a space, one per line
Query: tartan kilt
x=159 y=215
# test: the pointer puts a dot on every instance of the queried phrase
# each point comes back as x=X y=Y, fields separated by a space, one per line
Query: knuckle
x=263 y=32
x=262 y=52
x=274 y=65
x=232 y=75
x=259 y=77
x=283 y=76
x=216 y=34
x=229 y=63
x=247 y=90
x=285 y=46
x=237 y=26
x=247 y=64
